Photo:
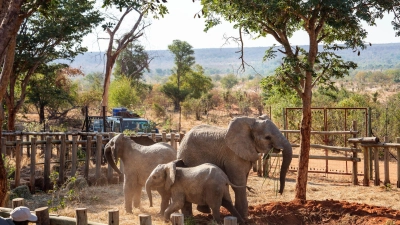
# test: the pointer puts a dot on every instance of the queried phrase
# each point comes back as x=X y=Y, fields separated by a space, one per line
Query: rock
x=21 y=192
x=78 y=184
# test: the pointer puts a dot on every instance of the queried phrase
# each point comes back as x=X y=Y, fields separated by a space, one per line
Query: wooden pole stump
x=17 y=202
x=43 y=216
x=144 y=219
x=113 y=217
x=177 y=218
x=230 y=220
x=81 y=216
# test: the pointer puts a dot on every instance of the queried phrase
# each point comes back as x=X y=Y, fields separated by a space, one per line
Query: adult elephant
x=138 y=161
x=234 y=150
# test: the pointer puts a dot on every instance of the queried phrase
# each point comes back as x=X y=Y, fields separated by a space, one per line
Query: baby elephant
x=205 y=184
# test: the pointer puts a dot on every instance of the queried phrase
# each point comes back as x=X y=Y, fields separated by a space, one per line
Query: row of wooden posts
x=61 y=140
x=81 y=216
x=366 y=143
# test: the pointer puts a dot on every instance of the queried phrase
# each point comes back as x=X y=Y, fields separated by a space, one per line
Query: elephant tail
x=236 y=186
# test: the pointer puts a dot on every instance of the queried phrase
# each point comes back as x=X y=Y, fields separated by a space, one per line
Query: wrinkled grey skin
x=234 y=150
x=205 y=184
x=138 y=162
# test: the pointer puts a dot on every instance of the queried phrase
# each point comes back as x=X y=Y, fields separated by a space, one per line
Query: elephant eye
x=267 y=137
x=154 y=177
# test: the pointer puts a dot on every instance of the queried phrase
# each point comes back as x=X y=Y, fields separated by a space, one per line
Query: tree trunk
x=41 y=114
x=3 y=175
x=305 y=132
x=8 y=25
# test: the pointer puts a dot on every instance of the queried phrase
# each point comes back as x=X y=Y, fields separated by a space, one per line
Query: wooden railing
x=65 y=144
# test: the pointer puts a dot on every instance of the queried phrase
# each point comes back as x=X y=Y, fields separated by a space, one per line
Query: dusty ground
x=328 y=203
x=331 y=199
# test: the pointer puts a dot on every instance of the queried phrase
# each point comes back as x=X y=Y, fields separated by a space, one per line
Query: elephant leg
x=137 y=191
x=229 y=206
x=187 y=209
x=177 y=203
x=165 y=197
x=216 y=214
x=241 y=203
x=128 y=194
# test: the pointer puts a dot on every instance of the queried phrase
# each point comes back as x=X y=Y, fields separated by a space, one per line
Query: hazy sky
x=180 y=24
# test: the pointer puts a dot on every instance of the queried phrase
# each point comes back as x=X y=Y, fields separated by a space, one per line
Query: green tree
x=91 y=90
x=51 y=88
x=122 y=94
x=116 y=45
x=197 y=82
x=44 y=38
x=184 y=60
x=229 y=81
x=132 y=62
x=325 y=22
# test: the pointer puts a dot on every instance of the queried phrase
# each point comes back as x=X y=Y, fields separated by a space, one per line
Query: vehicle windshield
x=137 y=125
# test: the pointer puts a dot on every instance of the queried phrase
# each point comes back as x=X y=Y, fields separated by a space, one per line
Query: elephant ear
x=170 y=169
x=240 y=140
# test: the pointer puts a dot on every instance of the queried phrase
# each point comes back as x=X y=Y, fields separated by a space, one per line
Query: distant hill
x=226 y=60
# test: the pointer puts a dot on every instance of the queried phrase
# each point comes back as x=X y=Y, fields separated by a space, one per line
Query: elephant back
x=203 y=144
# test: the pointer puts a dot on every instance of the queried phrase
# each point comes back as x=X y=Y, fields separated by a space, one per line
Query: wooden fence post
x=43 y=146
x=172 y=140
x=153 y=137
x=33 y=164
x=377 y=179
x=74 y=155
x=398 y=164
x=62 y=159
x=145 y=219
x=3 y=146
x=386 y=162
x=164 y=137
x=177 y=218
x=47 y=158
x=87 y=159
x=81 y=213
x=57 y=138
x=266 y=162
x=366 y=167
x=113 y=217
x=355 y=156
x=18 y=158
x=43 y=216
x=17 y=202
x=28 y=148
x=259 y=167
x=99 y=146
x=230 y=220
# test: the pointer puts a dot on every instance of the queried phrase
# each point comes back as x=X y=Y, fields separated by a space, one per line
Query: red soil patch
x=315 y=212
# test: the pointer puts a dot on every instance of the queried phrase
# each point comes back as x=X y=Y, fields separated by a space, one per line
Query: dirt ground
x=331 y=199
x=327 y=203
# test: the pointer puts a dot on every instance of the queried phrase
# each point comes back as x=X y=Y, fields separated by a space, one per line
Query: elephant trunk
x=287 y=154
x=148 y=190
x=108 y=154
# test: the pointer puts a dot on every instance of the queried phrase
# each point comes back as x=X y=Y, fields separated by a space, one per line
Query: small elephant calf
x=205 y=184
